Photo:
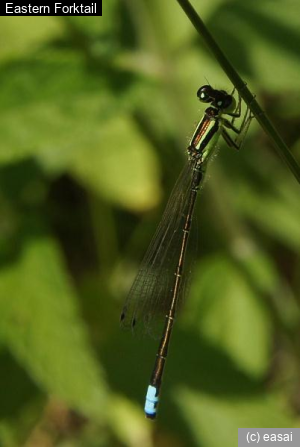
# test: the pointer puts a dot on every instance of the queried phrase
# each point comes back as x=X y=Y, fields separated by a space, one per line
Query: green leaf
x=229 y=314
x=214 y=421
x=128 y=422
x=277 y=212
x=23 y=35
x=55 y=110
x=41 y=103
x=120 y=166
x=52 y=105
x=41 y=326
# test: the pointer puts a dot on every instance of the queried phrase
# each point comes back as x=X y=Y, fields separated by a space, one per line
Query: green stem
x=241 y=86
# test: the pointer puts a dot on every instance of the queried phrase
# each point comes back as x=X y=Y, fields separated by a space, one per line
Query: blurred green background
x=96 y=114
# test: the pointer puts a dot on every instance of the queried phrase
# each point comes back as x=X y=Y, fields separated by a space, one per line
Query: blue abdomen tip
x=151 y=402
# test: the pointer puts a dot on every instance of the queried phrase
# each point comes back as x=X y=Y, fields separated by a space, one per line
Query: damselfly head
x=206 y=93
x=218 y=98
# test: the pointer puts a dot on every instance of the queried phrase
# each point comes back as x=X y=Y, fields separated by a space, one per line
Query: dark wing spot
x=123 y=314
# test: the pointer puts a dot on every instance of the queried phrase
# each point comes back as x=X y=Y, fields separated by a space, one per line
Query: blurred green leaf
x=57 y=112
x=121 y=167
x=227 y=312
x=20 y=36
x=41 y=103
x=129 y=423
x=53 y=105
x=258 y=267
x=277 y=211
x=41 y=326
x=214 y=421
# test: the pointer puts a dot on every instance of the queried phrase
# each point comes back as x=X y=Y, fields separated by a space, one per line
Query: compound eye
x=222 y=101
x=205 y=93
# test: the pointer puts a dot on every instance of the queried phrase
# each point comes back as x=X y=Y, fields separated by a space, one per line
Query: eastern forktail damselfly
x=160 y=283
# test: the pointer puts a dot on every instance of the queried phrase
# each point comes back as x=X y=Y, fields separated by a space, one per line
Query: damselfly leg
x=240 y=131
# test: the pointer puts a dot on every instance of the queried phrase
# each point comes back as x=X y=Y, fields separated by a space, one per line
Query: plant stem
x=241 y=87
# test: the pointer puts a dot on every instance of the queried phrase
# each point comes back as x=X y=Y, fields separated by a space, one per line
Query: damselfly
x=158 y=289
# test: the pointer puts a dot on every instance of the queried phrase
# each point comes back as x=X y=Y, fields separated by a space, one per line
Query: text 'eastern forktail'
x=159 y=285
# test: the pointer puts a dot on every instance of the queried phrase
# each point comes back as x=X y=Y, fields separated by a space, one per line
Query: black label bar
x=52 y=9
